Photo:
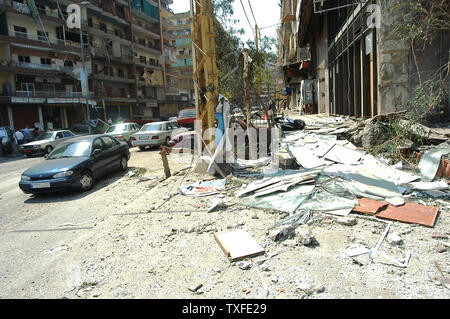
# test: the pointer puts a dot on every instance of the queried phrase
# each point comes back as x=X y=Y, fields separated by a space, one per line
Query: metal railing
x=41 y=38
x=23 y=8
x=58 y=94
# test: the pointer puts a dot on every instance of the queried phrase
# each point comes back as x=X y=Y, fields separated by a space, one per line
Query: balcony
x=147 y=64
x=114 y=78
x=46 y=13
x=94 y=28
x=44 y=67
x=146 y=29
x=148 y=48
x=41 y=38
x=51 y=94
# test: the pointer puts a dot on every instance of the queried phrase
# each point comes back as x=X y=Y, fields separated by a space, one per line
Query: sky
x=267 y=13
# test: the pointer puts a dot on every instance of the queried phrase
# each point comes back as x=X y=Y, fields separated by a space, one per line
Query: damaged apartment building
x=342 y=57
x=128 y=50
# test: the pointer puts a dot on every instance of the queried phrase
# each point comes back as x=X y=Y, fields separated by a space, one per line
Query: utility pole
x=258 y=70
x=205 y=77
x=245 y=79
x=84 y=73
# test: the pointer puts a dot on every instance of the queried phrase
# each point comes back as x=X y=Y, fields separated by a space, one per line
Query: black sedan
x=76 y=164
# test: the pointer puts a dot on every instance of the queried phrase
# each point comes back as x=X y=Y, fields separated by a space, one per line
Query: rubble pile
x=329 y=175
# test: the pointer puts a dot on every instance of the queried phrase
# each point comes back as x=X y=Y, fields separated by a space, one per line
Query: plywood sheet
x=238 y=245
x=411 y=213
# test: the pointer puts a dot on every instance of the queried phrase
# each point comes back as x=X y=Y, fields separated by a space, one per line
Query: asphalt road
x=33 y=226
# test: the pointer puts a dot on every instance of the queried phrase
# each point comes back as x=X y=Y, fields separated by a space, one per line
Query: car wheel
x=123 y=163
x=142 y=148
x=86 y=180
x=167 y=142
x=48 y=149
x=29 y=155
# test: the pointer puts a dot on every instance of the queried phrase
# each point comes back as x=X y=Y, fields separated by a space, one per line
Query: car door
x=98 y=166
x=166 y=129
x=59 y=137
x=112 y=153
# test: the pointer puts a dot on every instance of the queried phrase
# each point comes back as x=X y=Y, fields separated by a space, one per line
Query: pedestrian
x=110 y=121
x=18 y=137
x=27 y=134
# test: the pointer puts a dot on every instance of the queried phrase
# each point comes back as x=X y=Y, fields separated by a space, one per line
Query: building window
x=122 y=93
x=42 y=36
x=111 y=71
x=20 y=32
x=28 y=87
x=46 y=61
x=90 y=23
x=108 y=91
x=68 y=63
x=105 y=70
x=49 y=87
x=143 y=59
x=95 y=68
x=24 y=58
x=120 y=73
x=103 y=27
x=118 y=33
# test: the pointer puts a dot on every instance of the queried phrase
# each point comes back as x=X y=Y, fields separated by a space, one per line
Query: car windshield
x=45 y=136
x=187 y=113
x=117 y=128
x=151 y=127
x=77 y=149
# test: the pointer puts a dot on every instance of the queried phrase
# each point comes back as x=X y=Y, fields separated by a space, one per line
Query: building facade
x=344 y=58
x=128 y=52
x=182 y=30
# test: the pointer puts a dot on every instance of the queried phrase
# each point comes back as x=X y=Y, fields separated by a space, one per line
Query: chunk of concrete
x=395 y=239
x=347 y=221
x=304 y=235
x=281 y=233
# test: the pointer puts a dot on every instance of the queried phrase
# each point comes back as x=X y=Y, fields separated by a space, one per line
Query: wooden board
x=238 y=245
x=411 y=213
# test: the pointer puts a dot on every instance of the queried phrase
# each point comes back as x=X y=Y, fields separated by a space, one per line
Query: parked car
x=154 y=134
x=7 y=139
x=123 y=131
x=76 y=164
x=186 y=118
x=46 y=142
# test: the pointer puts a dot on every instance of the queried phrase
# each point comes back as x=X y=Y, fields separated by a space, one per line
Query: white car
x=155 y=134
x=46 y=142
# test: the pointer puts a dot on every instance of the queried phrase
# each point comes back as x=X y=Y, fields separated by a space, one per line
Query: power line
x=243 y=8
x=251 y=9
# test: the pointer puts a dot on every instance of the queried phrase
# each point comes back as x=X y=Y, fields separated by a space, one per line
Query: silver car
x=154 y=134
x=46 y=142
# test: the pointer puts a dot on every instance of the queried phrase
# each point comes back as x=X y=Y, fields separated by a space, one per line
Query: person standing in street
x=27 y=134
x=19 y=137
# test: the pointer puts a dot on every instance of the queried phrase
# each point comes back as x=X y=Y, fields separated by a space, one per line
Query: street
x=31 y=225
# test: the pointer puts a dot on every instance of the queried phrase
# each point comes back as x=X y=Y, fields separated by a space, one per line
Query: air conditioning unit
x=53 y=54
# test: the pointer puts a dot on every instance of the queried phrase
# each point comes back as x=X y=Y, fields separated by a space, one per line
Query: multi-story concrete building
x=128 y=51
x=184 y=67
x=336 y=56
x=38 y=55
